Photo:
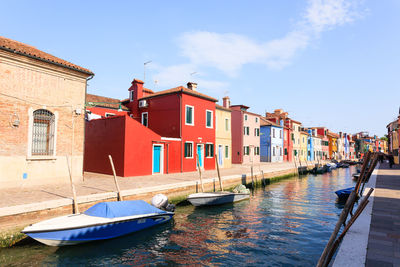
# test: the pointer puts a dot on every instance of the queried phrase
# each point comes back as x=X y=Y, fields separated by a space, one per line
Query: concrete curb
x=353 y=249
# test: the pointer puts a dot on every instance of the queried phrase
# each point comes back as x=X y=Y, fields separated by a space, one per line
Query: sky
x=331 y=63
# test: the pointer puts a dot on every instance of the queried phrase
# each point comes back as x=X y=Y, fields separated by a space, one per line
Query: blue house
x=271 y=141
x=310 y=145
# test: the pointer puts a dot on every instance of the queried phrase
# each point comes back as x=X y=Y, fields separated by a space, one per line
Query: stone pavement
x=384 y=236
x=95 y=184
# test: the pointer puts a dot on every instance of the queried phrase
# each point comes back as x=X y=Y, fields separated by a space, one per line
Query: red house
x=281 y=118
x=165 y=132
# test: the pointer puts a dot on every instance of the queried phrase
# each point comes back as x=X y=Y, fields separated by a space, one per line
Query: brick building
x=42 y=100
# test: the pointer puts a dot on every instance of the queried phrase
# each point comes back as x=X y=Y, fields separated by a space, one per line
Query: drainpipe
x=180 y=129
x=84 y=124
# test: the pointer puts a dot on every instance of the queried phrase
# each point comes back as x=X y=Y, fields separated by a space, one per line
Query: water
x=286 y=224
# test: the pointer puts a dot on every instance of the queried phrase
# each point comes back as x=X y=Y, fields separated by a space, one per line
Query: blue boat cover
x=121 y=209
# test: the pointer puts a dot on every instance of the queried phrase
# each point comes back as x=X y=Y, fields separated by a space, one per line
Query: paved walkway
x=94 y=184
x=384 y=236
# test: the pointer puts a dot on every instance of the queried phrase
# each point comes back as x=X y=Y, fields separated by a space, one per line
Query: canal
x=284 y=224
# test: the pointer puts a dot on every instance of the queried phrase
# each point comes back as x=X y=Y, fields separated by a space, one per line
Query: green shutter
x=186 y=148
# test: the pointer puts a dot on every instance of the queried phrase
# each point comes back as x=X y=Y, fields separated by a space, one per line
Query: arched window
x=43 y=133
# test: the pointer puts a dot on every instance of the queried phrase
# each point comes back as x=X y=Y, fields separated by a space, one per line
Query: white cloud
x=228 y=52
x=176 y=75
x=325 y=14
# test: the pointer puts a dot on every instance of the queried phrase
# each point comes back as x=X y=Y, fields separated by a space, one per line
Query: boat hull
x=216 y=198
x=100 y=231
x=343 y=194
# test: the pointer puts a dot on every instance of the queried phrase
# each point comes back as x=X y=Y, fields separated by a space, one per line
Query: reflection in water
x=286 y=223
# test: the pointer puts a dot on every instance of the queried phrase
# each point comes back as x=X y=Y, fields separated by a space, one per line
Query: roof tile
x=28 y=50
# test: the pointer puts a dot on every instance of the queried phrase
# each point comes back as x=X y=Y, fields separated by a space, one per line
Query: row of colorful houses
x=52 y=128
x=181 y=129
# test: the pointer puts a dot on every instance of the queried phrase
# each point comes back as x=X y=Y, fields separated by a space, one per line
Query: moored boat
x=343 y=194
x=216 y=198
x=103 y=220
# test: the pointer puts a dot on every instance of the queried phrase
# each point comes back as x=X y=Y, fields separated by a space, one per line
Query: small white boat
x=216 y=198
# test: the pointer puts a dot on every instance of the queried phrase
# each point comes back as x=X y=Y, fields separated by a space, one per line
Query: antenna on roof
x=144 y=70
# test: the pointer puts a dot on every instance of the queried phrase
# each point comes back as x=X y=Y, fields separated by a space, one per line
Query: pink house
x=245 y=135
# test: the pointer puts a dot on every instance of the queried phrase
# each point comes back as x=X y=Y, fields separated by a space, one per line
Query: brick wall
x=26 y=85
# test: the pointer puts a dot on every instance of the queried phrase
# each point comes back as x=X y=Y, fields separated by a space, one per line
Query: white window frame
x=191 y=142
x=206 y=156
x=147 y=113
x=30 y=130
x=191 y=124
x=161 y=159
x=212 y=119
x=130 y=95
x=109 y=114
x=227 y=127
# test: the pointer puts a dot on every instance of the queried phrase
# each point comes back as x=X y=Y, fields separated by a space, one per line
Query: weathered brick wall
x=27 y=84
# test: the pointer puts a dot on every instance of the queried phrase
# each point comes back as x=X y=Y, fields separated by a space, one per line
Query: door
x=200 y=153
x=157 y=159
x=220 y=155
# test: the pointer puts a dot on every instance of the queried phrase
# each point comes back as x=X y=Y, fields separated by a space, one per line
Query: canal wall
x=14 y=218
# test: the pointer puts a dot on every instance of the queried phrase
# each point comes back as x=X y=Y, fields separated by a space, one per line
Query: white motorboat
x=216 y=198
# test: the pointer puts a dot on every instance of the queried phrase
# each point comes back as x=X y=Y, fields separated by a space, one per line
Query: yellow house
x=296 y=140
x=333 y=145
x=303 y=145
x=223 y=136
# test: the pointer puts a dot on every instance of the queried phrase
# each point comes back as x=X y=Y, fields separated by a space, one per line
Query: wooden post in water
x=262 y=179
x=343 y=217
x=219 y=175
x=201 y=179
x=252 y=178
x=76 y=209
x=119 y=196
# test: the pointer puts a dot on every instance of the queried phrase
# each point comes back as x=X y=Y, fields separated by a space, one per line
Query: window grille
x=43 y=133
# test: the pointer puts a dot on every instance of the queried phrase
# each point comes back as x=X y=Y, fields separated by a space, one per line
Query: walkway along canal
x=285 y=223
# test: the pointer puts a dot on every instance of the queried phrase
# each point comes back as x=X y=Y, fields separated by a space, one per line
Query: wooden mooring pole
x=119 y=196
x=76 y=208
x=219 y=175
x=326 y=255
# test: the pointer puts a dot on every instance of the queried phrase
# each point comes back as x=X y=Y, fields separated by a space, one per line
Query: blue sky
x=328 y=63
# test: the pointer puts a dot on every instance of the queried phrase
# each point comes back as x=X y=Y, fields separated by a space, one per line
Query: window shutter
x=186 y=148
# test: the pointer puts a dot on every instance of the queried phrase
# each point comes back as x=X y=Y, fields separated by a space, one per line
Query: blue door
x=156 y=159
x=200 y=154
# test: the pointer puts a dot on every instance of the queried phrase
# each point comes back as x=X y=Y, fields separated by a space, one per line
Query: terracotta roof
x=30 y=51
x=148 y=91
x=265 y=122
x=304 y=132
x=333 y=134
x=296 y=121
x=241 y=106
x=222 y=108
x=105 y=102
x=180 y=89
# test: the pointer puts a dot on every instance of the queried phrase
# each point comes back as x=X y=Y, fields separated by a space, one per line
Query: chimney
x=192 y=86
x=136 y=90
x=226 y=102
